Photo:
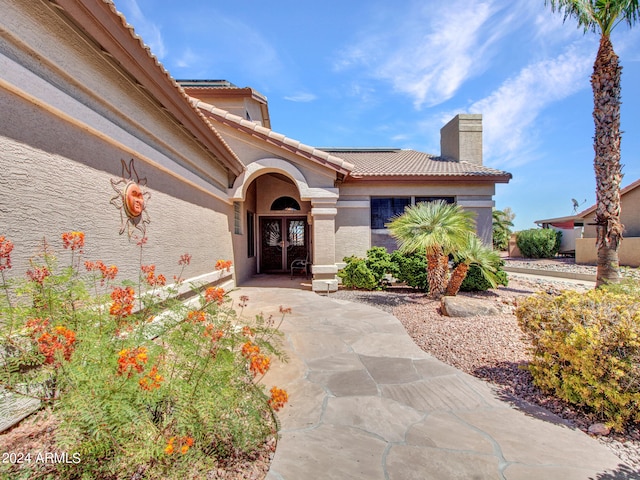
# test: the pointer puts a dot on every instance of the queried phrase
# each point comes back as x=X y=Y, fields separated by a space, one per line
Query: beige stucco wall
x=628 y=254
x=629 y=216
x=68 y=119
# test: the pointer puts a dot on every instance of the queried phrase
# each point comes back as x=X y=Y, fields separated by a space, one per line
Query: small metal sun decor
x=131 y=199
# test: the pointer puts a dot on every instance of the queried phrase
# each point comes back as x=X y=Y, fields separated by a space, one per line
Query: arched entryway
x=292 y=221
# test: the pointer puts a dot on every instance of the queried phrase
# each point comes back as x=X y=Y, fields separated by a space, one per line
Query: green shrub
x=411 y=269
x=539 y=242
x=586 y=350
x=356 y=274
x=380 y=263
x=476 y=282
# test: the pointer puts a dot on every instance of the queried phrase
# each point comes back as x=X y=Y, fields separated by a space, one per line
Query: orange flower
x=247 y=332
x=151 y=380
x=278 y=398
x=108 y=273
x=123 y=299
x=6 y=246
x=184 y=443
x=129 y=360
x=196 y=316
x=249 y=349
x=215 y=335
x=38 y=274
x=185 y=259
x=259 y=364
x=150 y=272
x=284 y=310
x=36 y=326
x=60 y=339
x=214 y=294
x=73 y=240
x=224 y=265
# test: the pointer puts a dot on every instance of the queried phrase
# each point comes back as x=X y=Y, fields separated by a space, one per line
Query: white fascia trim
x=353 y=204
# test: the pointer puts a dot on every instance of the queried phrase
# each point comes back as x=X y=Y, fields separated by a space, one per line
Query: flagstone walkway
x=366 y=403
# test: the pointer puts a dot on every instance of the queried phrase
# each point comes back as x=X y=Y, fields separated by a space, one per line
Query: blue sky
x=365 y=73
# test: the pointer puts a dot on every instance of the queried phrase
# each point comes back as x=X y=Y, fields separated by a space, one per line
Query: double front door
x=283 y=240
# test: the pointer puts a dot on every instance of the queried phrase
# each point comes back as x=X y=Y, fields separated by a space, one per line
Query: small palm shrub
x=475 y=281
x=144 y=385
x=539 y=242
x=586 y=349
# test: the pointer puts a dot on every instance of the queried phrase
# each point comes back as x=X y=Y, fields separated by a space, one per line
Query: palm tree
x=474 y=253
x=602 y=16
x=438 y=229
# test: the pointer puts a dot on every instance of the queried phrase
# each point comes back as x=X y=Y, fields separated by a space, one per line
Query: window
x=251 y=235
x=435 y=199
x=237 y=223
x=285 y=203
x=384 y=208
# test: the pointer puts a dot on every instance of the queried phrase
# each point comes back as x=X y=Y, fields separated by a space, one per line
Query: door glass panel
x=297 y=240
x=271 y=243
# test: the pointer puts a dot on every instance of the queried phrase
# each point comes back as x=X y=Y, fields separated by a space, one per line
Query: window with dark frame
x=384 y=208
x=251 y=235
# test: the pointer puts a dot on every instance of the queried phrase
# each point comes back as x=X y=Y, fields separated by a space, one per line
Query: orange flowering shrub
x=59 y=340
x=6 y=246
x=224 y=265
x=131 y=359
x=214 y=294
x=73 y=240
x=150 y=276
x=278 y=398
x=123 y=300
x=196 y=316
x=182 y=444
x=187 y=376
x=151 y=380
x=108 y=273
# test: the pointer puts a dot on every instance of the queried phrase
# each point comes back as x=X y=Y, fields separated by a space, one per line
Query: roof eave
x=101 y=21
x=473 y=178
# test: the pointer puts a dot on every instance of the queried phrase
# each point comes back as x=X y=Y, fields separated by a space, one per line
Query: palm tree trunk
x=437 y=269
x=605 y=82
x=457 y=277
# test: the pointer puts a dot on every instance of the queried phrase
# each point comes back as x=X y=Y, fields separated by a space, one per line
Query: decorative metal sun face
x=131 y=199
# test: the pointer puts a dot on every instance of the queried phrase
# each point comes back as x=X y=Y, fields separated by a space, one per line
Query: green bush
x=380 y=263
x=539 y=242
x=476 y=282
x=356 y=274
x=586 y=350
x=411 y=269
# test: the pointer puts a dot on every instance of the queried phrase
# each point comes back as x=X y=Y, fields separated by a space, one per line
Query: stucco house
x=88 y=111
x=579 y=230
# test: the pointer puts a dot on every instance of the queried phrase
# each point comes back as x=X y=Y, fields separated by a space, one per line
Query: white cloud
x=510 y=112
x=301 y=97
x=148 y=31
x=187 y=59
x=433 y=48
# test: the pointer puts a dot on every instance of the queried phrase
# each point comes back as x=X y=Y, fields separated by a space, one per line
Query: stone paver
x=366 y=403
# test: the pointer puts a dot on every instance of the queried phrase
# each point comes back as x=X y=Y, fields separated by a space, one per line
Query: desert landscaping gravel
x=492 y=347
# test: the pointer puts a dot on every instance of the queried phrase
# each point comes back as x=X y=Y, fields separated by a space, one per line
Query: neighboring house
x=80 y=93
x=583 y=240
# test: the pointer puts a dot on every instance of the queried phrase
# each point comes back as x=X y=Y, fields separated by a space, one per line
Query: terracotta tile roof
x=371 y=162
x=257 y=130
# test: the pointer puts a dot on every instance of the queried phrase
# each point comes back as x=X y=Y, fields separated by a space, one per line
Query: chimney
x=461 y=138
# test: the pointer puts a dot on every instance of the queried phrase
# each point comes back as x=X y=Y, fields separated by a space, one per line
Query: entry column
x=324 y=268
